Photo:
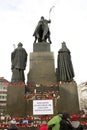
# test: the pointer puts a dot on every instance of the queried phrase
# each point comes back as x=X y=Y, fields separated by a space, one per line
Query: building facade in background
x=3 y=94
x=82 y=92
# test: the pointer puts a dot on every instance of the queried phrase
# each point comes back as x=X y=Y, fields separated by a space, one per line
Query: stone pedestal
x=41 y=47
x=68 y=101
x=16 y=103
x=42 y=69
x=42 y=72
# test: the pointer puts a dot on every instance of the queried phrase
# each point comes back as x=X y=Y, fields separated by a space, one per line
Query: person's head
x=74 y=117
x=20 y=44
x=64 y=47
x=63 y=44
x=66 y=116
x=42 y=18
x=60 y=114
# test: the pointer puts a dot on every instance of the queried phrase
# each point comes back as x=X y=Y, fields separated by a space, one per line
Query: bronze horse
x=42 y=33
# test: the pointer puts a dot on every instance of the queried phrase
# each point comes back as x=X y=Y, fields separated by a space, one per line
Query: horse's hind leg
x=49 y=40
x=35 y=40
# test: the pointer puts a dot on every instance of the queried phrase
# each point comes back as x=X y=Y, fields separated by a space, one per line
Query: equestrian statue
x=42 y=31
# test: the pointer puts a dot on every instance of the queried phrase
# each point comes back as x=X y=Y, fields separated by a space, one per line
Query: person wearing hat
x=76 y=123
x=18 y=59
x=43 y=126
x=65 y=123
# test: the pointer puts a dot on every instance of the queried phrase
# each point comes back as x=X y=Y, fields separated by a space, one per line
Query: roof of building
x=3 y=80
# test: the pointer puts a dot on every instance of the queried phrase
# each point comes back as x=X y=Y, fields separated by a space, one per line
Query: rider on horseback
x=42 y=36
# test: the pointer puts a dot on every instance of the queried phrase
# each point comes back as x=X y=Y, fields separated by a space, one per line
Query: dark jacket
x=65 y=125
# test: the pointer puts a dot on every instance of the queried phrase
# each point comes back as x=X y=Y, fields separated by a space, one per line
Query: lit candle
x=34 y=90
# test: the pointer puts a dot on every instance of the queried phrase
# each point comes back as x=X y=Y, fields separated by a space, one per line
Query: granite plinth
x=41 y=47
x=68 y=101
x=42 y=69
x=16 y=102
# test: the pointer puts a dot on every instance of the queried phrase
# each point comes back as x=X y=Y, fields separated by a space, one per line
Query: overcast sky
x=18 y=19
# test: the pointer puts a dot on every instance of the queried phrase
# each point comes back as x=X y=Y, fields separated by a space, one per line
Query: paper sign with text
x=42 y=107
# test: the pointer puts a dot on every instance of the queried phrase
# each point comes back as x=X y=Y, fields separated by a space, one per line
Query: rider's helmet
x=42 y=17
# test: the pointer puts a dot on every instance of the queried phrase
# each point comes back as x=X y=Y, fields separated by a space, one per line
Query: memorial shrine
x=48 y=89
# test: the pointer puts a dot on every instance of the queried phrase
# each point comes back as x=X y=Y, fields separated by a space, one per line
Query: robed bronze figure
x=65 y=70
x=18 y=60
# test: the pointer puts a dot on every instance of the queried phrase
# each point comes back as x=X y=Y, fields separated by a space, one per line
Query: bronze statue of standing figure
x=18 y=59
x=42 y=31
x=65 y=71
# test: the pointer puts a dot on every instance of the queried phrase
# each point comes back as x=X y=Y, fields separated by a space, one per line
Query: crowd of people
x=63 y=121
